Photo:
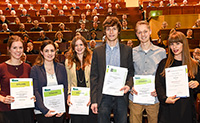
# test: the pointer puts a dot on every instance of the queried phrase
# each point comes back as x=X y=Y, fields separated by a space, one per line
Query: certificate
x=22 y=91
x=80 y=96
x=54 y=99
x=177 y=81
x=144 y=85
x=114 y=80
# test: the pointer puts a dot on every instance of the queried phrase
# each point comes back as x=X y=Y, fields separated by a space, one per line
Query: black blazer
x=98 y=68
x=38 y=74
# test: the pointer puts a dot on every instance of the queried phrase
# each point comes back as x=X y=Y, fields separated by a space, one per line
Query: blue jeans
x=115 y=103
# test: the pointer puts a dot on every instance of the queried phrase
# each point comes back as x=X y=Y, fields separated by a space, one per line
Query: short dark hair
x=111 y=21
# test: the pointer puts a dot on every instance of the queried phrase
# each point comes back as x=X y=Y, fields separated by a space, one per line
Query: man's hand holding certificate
x=22 y=91
x=177 y=81
x=80 y=96
x=144 y=85
x=114 y=80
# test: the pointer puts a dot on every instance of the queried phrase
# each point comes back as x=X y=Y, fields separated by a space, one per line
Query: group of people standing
x=86 y=69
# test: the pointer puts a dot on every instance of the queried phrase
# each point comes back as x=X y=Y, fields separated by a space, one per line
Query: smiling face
x=112 y=33
x=79 y=47
x=176 y=48
x=49 y=53
x=16 y=50
x=143 y=33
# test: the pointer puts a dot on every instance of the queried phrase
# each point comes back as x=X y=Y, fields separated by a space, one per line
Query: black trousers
x=42 y=119
x=17 y=116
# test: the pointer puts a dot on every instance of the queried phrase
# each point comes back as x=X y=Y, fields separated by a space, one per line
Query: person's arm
x=160 y=83
x=94 y=75
x=36 y=81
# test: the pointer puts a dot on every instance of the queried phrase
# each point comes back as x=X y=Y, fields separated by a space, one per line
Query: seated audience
x=95 y=19
x=24 y=59
x=87 y=6
x=95 y=27
x=92 y=45
x=42 y=36
x=22 y=28
x=21 y=7
x=83 y=19
x=124 y=17
x=117 y=6
x=61 y=13
x=37 y=13
x=16 y=21
x=73 y=13
x=13 y=13
x=36 y=26
x=59 y=37
x=196 y=54
x=3 y=20
x=161 y=4
x=26 y=39
x=45 y=7
x=10 y=35
x=31 y=7
x=82 y=28
x=50 y=27
x=60 y=1
x=125 y=25
x=163 y=26
x=94 y=12
x=74 y=6
x=64 y=7
x=48 y=1
x=24 y=13
x=42 y=19
x=110 y=12
x=185 y=3
x=9 y=7
x=26 y=1
x=93 y=35
x=109 y=5
x=5 y=28
x=150 y=4
x=49 y=12
x=172 y=3
x=30 y=49
x=71 y=19
x=197 y=23
x=97 y=6
x=178 y=25
x=130 y=43
x=39 y=1
x=88 y=13
x=28 y=20
x=62 y=27
x=189 y=34
x=1 y=12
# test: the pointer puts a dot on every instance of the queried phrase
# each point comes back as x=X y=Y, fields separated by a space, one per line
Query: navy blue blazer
x=38 y=74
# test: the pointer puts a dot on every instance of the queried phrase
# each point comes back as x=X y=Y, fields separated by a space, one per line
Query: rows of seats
x=68 y=35
x=60 y=6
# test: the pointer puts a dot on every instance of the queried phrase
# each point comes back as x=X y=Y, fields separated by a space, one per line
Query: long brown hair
x=186 y=58
x=40 y=59
x=72 y=55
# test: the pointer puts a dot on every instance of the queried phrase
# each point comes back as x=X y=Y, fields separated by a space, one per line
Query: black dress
x=183 y=110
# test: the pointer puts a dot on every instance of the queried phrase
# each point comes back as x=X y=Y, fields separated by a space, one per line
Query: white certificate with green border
x=80 y=96
x=144 y=85
x=22 y=91
x=53 y=98
x=114 y=80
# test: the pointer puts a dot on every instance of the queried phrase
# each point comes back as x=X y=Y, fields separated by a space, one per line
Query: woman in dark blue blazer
x=47 y=72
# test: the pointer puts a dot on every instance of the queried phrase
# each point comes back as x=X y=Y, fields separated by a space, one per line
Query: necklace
x=83 y=77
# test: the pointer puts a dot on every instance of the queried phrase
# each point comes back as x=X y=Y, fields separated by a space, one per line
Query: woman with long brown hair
x=78 y=65
x=175 y=109
x=47 y=72
x=13 y=68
